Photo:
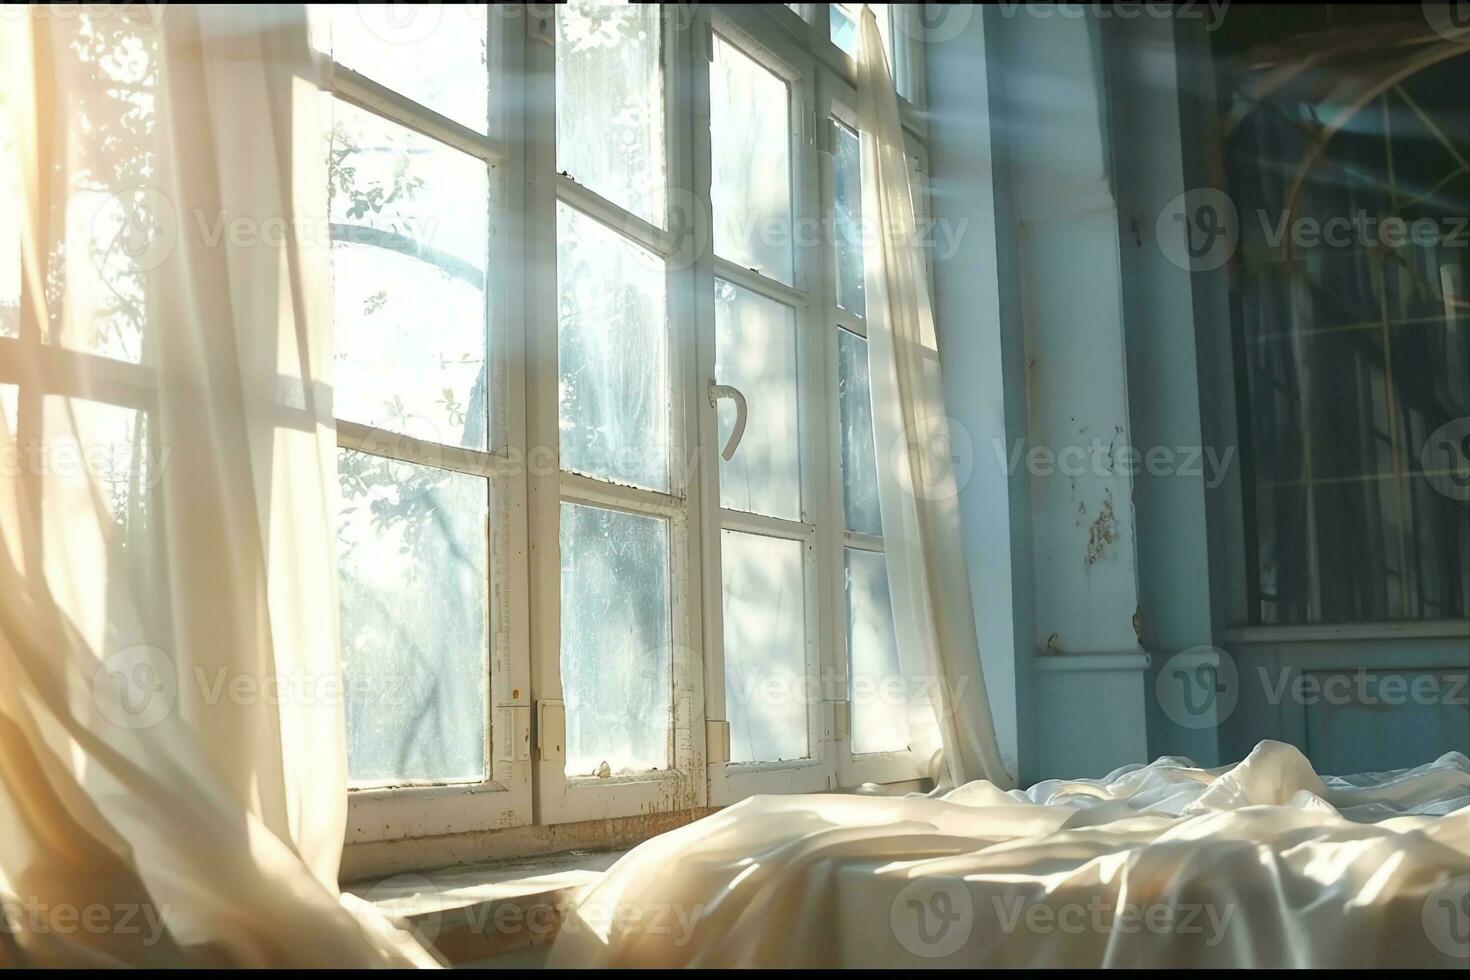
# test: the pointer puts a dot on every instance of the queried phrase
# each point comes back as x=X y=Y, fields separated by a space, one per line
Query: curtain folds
x=917 y=488
x=172 y=757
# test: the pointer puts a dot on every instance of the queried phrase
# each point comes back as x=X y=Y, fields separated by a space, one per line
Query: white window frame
x=528 y=784
x=503 y=798
x=560 y=798
x=730 y=782
x=839 y=103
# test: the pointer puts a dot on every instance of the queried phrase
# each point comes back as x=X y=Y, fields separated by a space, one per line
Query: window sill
x=1309 y=632
x=513 y=907
x=489 y=911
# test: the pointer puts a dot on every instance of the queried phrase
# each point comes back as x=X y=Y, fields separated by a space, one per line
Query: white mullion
x=542 y=410
x=814 y=275
x=858 y=541
x=625 y=223
x=74 y=374
x=363 y=92
x=688 y=400
x=579 y=488
x=506 y=327
x=762 y=524
x=755 y=282
x=705 y=513
x=405 y=448
x=831 y=556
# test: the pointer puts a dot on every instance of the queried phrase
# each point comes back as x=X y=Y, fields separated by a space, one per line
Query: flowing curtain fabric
x=918 y=496
x=172 y=760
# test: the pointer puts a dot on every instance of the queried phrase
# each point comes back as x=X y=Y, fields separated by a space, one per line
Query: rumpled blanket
x=1260 y=864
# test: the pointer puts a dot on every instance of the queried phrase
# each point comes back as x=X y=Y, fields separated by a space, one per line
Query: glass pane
x=610 y=102
x=756 y=352
x=848 y=212
x=615 y=641
x=432 y=53
x=859 y=458
x=413 y=570
x=104 y=445
x=613 y=349
x=117 y=229
x=876 y=683
x=842 y=23
x=410 y=226
x=842 y=28
x=767 y=690
x=750 y=139
x=1354 y=347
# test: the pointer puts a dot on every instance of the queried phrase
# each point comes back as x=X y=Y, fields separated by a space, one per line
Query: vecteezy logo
x=932 y=23
x=932 y=917
x=1446 y=917
x=1198 y=230
x=135 y=687
x=1450 y=19
x=1446 y=459
x=400 y=900
x=1198 y=687
x=134 y=230
x=934 y=459
x=400 y=23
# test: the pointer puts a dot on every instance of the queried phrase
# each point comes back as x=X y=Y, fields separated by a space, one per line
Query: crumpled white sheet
x=1260 y=864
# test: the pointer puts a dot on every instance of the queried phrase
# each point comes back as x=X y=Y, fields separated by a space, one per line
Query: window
x=842 y=28
x=437 y=703
x=877 y=707
x=1353 y=351
x=108 y=440
x=608 y=474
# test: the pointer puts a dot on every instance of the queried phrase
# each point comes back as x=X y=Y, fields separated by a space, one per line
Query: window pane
x=843 y=25
x=432 y=53
x=610 y=103
x=859 y=458
x=847 y=209
x=767 y=690
x=413 y=570
x=117 y=229
x=1354 y=352
x=875 y=679
x=101 y=446
x=410 y=227
x=750 y=141
x=842 y=28
x=613 y=349
x=756 y=352
x=615 y=640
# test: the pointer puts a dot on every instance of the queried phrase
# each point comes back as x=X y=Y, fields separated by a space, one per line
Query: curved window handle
x=716 y=392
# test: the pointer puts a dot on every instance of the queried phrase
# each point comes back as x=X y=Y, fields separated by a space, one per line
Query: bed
x=1260 y=864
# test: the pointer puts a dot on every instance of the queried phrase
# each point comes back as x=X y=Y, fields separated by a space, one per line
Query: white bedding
x=1259 y=864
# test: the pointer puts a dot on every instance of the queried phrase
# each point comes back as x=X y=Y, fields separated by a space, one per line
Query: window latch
x=718 y=391
x=551 y=730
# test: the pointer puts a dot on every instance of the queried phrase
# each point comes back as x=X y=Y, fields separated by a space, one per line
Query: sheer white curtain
x=172 y=761
x=918 y=496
